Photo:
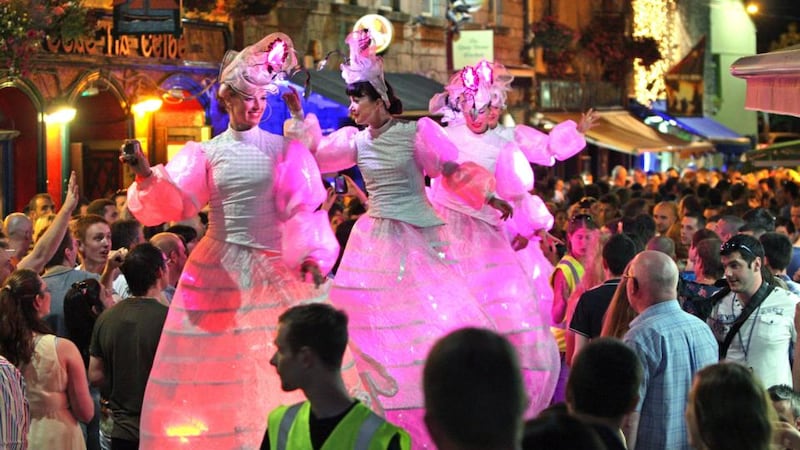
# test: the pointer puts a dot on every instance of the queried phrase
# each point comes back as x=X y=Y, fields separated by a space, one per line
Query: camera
x=129 y=151
x=340 y=184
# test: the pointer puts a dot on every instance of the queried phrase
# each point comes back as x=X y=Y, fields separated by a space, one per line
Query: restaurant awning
x=413 y=90
x=785 y=154
x=773 y=80
x=621 y=131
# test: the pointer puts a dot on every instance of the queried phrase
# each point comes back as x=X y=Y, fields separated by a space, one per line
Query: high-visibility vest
x=573 y=270
x=360 y=429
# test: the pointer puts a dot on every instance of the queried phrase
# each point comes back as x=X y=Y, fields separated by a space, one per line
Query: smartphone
x=129 y=150
x=340 y=184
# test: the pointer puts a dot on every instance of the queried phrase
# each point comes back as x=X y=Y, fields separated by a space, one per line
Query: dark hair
x=79 y=316
x=560 y=431
x=641 y=226
x=790 y=187
x=320 y=327
x=699 y=217
x=141 y=267
x=124 y=233
x=782 y=392
x=32 y=201
x=701 y=234
x=579 y=221
x=185 y=232
x=58 y=256
x=731 y=408
x=604 y=379
x=777 y=249
x=365 y=89
x=18 y=316
x=748 y=247
x=473 y=388
x=784 y=222
x=618 y=252
x=98 y=206
x=758 y=220
x=708 y=252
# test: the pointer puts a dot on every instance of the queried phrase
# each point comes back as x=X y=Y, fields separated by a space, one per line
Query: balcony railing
x=565 y=95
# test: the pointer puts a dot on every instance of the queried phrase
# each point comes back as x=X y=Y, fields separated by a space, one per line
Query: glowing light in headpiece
x=470 y=79
x=276 y=55
x=484 y=69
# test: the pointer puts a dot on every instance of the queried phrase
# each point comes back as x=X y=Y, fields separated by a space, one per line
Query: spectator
x=587 y=321
x=124 y=342
x=187 y=234
x=104 y=208
x=174 y=249
x=6 y=267
x=603 y=388
x=672 y=347
x=57 y=389
x=757 y=222
x=126 y=233
x=728 y=226
x=19 y=230
x=309 y=348
x=619 y=314
x=14 y=412
x=786 y=403
x=474 y=396
x=777 y=255
x=40 y=205
x=93 y=235
x=560 y=431
x=728 y=410
x=695 y=296
x=754 y=322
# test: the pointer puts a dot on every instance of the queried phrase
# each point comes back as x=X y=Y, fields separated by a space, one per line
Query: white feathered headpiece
x=364 y=64
x=476 y=86
x=258 y=66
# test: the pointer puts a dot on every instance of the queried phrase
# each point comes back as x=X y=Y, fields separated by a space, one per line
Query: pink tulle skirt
x=496 y=278
x=401 y=293
x=211 y=385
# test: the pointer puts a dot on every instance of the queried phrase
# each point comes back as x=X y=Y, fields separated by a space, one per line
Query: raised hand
x=292 y=100
x=588 y=120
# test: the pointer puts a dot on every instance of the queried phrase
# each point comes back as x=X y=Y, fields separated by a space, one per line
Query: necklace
x=746 y=348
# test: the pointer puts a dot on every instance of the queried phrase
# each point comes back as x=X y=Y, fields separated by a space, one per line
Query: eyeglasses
x=729 y=246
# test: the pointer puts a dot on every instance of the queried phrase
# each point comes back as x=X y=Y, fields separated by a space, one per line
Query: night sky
x=773 y=19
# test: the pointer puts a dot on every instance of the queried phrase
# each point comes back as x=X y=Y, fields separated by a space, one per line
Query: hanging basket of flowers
x=556 y=42
x=24 y=24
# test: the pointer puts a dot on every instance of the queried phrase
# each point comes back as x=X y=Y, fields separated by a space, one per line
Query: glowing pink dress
x=490 y=265
x=395 y=280
x=211 y=386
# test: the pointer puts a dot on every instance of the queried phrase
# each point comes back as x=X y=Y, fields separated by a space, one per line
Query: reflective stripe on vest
x=286 y=425
x=367 y=431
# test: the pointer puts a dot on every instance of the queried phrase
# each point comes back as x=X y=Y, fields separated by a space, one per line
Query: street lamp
x=752 y=8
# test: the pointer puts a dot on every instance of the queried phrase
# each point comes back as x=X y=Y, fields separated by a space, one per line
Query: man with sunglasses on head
x=756 y=321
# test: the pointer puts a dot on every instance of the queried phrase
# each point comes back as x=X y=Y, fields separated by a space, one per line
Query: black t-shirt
x=320 y=429
x=592 y=305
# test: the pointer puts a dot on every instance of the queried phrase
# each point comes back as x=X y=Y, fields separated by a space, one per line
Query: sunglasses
x=729 y=246
x=581 y=218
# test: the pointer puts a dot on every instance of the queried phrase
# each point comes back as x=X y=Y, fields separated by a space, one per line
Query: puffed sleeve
x=173 y=192
x=306 y=232
x=531 y=215
x=305 y=130
x=563 y=142
x=334 y=152
x=433 y=147
x=513 y=173
x=471 y=182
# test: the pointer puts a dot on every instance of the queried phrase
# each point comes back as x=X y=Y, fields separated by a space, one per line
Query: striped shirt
x=14 y=415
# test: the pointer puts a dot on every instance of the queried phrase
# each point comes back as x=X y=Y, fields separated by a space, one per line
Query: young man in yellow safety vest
x=310 y=346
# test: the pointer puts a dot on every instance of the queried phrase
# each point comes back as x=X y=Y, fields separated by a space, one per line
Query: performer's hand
x=311 y=267
x=588 y=120
x=292 y=100
x=503 y=206
x=136 y=160
x=549 y=246
x=519 y=242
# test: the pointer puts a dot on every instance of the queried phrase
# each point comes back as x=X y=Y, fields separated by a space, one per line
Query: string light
x=653 y=18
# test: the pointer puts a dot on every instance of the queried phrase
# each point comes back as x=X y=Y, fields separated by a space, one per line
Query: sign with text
x=472 y=46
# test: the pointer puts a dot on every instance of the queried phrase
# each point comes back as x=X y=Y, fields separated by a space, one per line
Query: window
x=388 y=5
x=433 y=8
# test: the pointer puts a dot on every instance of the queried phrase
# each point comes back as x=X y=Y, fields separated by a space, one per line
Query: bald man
x=175 y=251
x=672 y=346
x=19 y=230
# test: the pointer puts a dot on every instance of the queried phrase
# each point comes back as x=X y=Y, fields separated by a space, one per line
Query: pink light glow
x=470 y=78
x=276 y=55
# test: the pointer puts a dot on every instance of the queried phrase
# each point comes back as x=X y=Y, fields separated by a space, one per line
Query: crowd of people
x=230 y=299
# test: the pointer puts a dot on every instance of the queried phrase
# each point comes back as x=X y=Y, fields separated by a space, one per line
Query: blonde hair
x=619 y=314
